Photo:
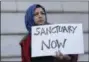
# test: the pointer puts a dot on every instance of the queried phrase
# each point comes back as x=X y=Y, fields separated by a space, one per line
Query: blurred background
x=13 y=27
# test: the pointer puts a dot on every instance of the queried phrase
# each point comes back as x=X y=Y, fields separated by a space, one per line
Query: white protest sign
x=47 y=39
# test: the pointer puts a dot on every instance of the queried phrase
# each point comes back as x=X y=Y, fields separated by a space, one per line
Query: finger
x=67 y=57
x=56 y=54
x=60 y=53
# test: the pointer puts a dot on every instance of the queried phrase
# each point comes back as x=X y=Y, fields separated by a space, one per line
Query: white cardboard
x=73 y=41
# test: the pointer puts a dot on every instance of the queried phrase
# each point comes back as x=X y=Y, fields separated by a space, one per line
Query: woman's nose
x=40 y=15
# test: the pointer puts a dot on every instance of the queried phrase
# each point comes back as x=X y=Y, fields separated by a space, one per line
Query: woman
x=36 y=15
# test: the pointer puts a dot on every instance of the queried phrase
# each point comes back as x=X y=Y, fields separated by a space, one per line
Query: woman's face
x=39 y=16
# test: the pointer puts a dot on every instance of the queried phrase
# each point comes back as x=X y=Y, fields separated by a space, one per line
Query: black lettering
x=64 y=43
x=43 y=31
x=60 y=44
x=64 y=29
x=37 y=31
x=59 y=29
x=74 y=28
x=55 y=29
x=48 y=31
x=53 y=44
x=47 y=46
x=69 y=28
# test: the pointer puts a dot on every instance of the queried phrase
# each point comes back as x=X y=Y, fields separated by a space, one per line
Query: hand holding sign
x=46 y=39
x=59 y=55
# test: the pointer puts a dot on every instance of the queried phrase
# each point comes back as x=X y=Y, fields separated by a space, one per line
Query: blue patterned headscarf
x=29 y=21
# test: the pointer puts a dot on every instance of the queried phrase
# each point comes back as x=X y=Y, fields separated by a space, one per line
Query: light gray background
x=13 y=27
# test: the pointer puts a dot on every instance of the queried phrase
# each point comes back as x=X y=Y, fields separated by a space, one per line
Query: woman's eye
x=42 y=13
x=35 y=14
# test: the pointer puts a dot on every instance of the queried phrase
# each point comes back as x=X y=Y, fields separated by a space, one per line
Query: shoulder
x=25 y=39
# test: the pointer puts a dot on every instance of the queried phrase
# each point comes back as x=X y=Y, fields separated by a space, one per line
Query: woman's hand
x=60 y=56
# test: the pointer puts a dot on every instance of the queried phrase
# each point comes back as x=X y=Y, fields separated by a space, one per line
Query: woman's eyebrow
x=42 y=11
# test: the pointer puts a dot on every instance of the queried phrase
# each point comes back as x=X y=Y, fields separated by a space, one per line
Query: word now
x=52 y=44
